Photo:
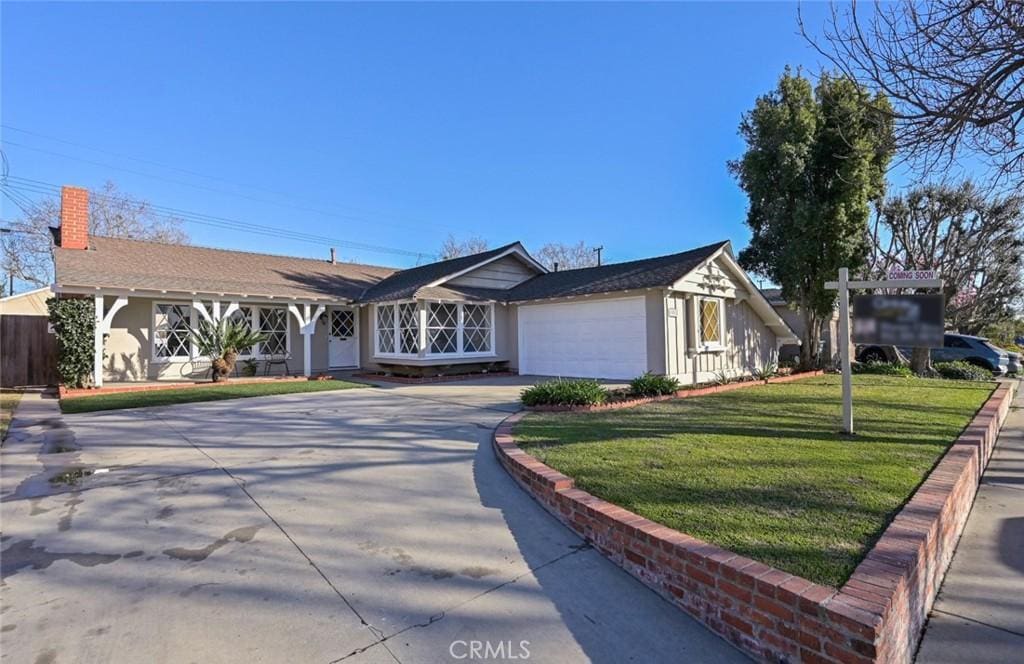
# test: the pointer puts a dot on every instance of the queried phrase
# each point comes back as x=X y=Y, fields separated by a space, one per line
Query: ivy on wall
x=74 y=322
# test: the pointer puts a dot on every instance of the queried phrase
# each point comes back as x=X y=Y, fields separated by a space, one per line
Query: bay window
x=476 y=328
x=442 y=328
x=449 y=329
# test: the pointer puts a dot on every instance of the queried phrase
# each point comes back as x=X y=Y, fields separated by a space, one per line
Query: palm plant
x=222 y=341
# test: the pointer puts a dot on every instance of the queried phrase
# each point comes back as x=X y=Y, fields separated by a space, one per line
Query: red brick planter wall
x=876 y=616
x=681 y=394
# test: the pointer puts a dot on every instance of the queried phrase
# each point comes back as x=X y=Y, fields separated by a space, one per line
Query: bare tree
x=975 y=242
x=567 y=256
x=453 y=248
x=953 y=70
x=27 y=252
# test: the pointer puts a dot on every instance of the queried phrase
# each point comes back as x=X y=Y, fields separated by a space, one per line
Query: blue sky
x=396 y=124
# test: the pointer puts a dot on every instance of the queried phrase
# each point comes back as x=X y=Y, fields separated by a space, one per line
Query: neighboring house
x=690 y=315
x=829 y=341
x=29 y=303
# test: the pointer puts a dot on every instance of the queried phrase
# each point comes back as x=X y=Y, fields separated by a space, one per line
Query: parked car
x=976 y=350
x=1013 y=366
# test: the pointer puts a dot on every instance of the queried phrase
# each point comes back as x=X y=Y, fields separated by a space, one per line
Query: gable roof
x=139 y=264
x=645 y=273
x=419 y=281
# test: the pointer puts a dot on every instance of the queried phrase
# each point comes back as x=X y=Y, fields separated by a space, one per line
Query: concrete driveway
x=369 y=525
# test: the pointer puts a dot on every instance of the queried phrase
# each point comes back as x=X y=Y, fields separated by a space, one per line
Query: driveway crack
x=377 y=632
x=574 y=550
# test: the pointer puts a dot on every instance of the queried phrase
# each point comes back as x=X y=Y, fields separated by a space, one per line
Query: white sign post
x=904 y=279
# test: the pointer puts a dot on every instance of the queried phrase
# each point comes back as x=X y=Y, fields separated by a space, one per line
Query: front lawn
x=119 y=400
x=8 y=402
x=762 y=471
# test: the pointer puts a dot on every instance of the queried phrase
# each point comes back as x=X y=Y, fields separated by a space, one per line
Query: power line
x=21 y=186
x=304 y=208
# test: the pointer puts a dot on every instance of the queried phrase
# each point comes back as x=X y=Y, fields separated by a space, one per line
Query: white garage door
x=598 y=339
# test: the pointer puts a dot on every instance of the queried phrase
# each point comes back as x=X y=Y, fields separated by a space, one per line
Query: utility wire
x=22 y=186
x=303 y=208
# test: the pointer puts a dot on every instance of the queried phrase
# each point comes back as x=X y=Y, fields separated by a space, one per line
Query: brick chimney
x=74 y=218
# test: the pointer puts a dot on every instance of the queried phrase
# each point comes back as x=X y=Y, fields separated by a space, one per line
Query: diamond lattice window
x=409 y=328
x=343 y=324
x=442 y=328
x=385 y=328
x=274 y=324
x=171 y=330
x=243 y=316
x=710 y=322
x=476 y=328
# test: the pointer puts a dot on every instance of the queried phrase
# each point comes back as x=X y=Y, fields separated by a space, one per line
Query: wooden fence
x=28 y=352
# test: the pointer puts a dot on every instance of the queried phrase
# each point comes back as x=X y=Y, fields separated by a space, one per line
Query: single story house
x=828 y=347
x=692 y=314
x=29 y=303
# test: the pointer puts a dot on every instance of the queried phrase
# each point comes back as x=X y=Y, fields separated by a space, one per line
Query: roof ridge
x=242 y=251
x=645 y=260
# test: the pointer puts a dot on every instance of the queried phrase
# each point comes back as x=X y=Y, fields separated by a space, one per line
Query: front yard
x=142 y=399
x=762 y=471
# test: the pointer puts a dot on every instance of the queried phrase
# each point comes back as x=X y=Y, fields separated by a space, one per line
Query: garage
x=591 y=339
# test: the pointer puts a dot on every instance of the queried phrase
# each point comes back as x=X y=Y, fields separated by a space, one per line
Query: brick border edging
x=876 y=616
x=679 y=394
x=76 y=392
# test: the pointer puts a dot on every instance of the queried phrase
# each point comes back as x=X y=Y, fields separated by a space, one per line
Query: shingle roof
x=121 y=263
x=407 y=283
x=773 y=295
x=644 y=273
x=138 y=264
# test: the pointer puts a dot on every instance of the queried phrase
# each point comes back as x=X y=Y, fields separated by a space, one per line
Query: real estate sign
x=914 y=321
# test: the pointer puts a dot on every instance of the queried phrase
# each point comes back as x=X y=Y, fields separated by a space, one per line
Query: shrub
x=769 y=370
x=961 y=370
x=559 y=392
x=882 y=369
x=653 y=385
x=74 y=323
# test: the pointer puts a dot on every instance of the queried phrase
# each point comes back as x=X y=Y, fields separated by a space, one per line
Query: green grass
x=762 y=471
x=8 y=402
x=88 y=404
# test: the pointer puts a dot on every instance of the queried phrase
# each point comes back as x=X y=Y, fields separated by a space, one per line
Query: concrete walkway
x=978 y=616
x=367 y=525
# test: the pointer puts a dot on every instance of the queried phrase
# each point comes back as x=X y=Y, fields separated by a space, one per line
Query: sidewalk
x=979 y=614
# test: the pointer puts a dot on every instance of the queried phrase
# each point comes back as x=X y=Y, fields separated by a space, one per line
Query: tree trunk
x=921 y=361
x=809 y=342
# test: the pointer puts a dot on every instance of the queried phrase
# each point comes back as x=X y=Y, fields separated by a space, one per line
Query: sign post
x=921 y=333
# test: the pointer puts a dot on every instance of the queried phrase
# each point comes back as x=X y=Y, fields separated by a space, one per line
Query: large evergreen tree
x=815 y=161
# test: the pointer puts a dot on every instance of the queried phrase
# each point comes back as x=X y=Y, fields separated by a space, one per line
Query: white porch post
x=97 y=357
x=307 y=326
x=103 y=321
x=307 y=344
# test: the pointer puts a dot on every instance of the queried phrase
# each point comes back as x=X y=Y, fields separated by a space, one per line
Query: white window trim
x=425 y=352
x=260 y=355
x=252 y=327
x=459 y=331
x=193 y=352
x=395 y=331
x=713 y=347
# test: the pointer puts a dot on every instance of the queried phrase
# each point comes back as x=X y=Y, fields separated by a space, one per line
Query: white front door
x=343 y=338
